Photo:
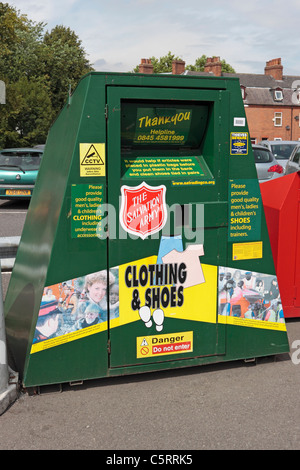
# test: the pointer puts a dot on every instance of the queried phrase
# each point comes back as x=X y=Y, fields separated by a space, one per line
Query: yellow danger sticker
x=160 y=345
x=92 y=159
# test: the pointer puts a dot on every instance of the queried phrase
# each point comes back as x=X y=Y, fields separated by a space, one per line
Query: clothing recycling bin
x=145 y=246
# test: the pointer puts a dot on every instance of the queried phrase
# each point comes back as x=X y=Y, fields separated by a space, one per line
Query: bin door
x=163 y=294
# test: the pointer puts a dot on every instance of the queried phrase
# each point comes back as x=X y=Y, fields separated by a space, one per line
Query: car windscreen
x=282 y=151
x=23 y=160
x=262 y=156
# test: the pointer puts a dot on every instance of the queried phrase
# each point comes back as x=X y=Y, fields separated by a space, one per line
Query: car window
x=282 y=151
x=296 y=157
x=24 y=160
x=262 y=155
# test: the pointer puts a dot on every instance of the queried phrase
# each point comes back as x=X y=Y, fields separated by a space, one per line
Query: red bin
x=281 y=198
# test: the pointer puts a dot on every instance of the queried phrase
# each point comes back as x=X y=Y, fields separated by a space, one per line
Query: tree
x=27 y=115
x=65 y=63
x=37 y=68
x=164 y=64
x=21 y=45
x=10 y=23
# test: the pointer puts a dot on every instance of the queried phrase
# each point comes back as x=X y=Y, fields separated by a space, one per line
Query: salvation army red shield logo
x=143 y=209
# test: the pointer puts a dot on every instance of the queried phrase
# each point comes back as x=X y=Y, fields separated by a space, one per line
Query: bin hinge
x=108 y=347
x=106 y=111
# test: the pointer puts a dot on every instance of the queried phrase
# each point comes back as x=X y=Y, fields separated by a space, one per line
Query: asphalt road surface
x=12 y=217
x=213 y=407
x=224 y=406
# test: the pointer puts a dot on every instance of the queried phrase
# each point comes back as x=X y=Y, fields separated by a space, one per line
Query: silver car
x=267 y=166
x=293 y=163
x=281 y=149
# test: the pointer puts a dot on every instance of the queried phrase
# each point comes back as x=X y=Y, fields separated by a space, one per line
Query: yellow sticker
x=247 y=250
x=160 y=345
x=199 y=300
x=67 y=338
x=92 y=159
x=252 y=323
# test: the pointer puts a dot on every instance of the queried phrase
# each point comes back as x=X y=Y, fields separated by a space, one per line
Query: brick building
x=271 y=99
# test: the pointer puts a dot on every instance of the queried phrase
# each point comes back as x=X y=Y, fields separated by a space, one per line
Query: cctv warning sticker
x=160 y=345
x=92 y=159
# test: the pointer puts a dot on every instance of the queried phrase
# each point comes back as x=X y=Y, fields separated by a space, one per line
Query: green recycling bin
x=145 y=246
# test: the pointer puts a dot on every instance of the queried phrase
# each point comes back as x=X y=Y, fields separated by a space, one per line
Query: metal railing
x=8 y=251
x=8 y=378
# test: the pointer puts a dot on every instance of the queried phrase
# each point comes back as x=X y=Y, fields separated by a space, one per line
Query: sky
x=117 y=34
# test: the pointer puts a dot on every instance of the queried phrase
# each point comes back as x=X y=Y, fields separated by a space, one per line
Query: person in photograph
x=221 y=280
x=91 y=317
x=47 y=322
x=237 y=301
x=114 y=301
x=95 y=293
x=271 y=314
x=48 y=295
x=68 y=299
x=274 y=290
x=68 y=303
x=224 y=297
x=249 y=312
x=237 y=276
x=257 y=313
x=260 y=287
x=249 y=280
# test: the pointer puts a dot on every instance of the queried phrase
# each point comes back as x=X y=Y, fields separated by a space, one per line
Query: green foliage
x=38 y=69
x=27 y=115
x=164 y=64
x=201 y=61
x=65 y=63
x=161 y=65
x=10 y=23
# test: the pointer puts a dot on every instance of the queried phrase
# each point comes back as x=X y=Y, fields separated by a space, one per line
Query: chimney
x=145 y=66
x=213 y=65
x=178 y=67
x=274 y=68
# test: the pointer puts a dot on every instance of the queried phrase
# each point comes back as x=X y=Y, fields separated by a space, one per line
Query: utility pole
x=2 y=92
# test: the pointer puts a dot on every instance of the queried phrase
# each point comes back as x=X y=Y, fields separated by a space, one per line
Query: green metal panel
x=113 y=142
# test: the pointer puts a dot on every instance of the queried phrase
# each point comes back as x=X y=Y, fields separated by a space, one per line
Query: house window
x=243 y=91
x=278 y=95
x=277 y=119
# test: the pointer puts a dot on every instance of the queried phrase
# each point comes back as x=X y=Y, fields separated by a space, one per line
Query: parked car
x=267 y=166
x=281 y=149
x=18 y=172
x=293 y=163
x=40 y=146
